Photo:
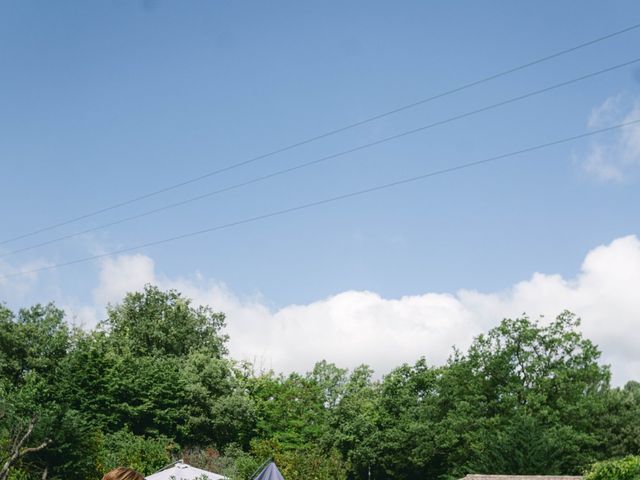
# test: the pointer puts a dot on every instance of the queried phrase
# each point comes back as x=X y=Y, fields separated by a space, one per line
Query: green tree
x=34 y=340
x=153 y=322
x=404 y=442
x=295 y=410
x=155 y=379
x=525 y=398
x=354 y=422
x=38 y=430
x=527 y=382
x=620 y=422
x=156 y=366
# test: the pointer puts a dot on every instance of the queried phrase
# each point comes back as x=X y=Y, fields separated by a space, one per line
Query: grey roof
x=521 y=477
x=270 y=472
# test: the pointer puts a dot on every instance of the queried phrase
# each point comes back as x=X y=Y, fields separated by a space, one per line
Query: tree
x=155 y=379
x=156 y=323
x=218 y=409
x=156 y=367
x=36 y=428
x=525 y=398
x=620 y=422
x=354 y=421
x=35 y=340
x=16 y=448
x=404 y=444
x=295 y=410
x=525 y=377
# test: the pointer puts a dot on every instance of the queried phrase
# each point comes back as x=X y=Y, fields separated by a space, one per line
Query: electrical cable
x=324 y=135
x=321 y=159
x=324 y=201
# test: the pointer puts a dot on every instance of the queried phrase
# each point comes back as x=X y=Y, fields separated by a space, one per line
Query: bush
x=145 y=454
x=627 y=468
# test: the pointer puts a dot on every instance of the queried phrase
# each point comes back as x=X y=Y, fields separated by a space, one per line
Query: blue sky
x=104 y=101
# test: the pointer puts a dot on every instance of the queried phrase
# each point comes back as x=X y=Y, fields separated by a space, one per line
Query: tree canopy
x=154 y=382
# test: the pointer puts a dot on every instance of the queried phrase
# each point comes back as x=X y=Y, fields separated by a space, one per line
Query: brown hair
x=123 y=473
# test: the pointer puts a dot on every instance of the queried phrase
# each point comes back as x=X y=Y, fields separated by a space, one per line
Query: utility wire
x=324 y=201
x=323 y=159
x=324 y=135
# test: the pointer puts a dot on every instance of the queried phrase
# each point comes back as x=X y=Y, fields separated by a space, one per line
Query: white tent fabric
x=182 y=471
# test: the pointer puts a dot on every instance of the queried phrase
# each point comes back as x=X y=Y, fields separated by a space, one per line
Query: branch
x=35 y=449
x=27 y=434
x=18 y=452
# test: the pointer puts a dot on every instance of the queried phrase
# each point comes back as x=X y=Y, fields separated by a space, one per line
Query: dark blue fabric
x=270 y=472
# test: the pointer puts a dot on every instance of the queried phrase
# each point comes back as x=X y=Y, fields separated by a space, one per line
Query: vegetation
x=627 y=468
x=154 y=383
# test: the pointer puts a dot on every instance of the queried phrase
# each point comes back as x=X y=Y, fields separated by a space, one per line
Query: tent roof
x=182 y=471
x=270 y=472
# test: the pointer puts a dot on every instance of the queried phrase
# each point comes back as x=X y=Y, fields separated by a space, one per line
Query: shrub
x=145 y=454
x=627 y=468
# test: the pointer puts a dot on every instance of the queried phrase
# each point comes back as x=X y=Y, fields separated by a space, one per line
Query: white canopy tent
x=182 y=471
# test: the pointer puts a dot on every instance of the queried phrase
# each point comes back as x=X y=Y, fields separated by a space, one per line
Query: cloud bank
x=356 y=327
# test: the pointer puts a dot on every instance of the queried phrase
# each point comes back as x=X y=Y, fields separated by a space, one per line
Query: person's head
x=123 y=473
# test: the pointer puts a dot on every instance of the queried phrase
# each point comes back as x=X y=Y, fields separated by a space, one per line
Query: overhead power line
x=324 y=135
x=323 y=159
x=324 y=201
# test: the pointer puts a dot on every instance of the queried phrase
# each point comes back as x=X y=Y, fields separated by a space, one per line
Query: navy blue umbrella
x=270 y=472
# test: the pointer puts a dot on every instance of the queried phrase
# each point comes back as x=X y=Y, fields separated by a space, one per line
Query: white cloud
x=123 y=274
x=614 y=159
x=356 y=327
x=18 y=287
x=606 y=113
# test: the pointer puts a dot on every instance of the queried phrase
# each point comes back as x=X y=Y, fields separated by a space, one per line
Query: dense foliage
x=154 y=383
x=627 y=468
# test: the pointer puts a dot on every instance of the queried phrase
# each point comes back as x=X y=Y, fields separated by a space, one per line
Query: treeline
x=154 y=383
